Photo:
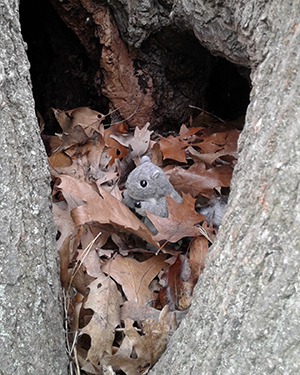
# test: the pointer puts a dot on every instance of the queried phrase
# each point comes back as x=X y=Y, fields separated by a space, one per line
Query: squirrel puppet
x=147 y=187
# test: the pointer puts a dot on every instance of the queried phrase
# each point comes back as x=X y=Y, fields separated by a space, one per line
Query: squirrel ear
x=155 y=174
x=145 y=159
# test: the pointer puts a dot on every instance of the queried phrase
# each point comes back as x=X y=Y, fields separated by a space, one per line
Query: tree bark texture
x=238 y=30
x=31 y=322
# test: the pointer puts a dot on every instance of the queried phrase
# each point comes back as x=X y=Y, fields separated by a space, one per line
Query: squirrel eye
x=137 y=205
x=143 y=183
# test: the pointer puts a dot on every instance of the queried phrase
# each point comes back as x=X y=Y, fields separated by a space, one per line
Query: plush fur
x=146 y=189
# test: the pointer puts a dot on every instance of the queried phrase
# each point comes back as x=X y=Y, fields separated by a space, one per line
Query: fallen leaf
x=225 y=140
x=92 y=151
x=80 y=280
x=59 y=160
x=198 y=180
x=210 y=158
x=63 y=221
x=91 y=260
x=180 y=222
x=171 y=277
x=157 y=156
x=77 y=136
x=64 y=260
x=139 y=142
x=88 y=119
x=198 y=250
x=105 y=209
x=148 y=347
x=134 y=276
x=65 y=121
x=105 y=300
x=180 y=279
x=78 y=125
x=156 y=334
x=51 y=142
x=138 y=312
x=207 y=119
x=188 y=134
x=90 y=162
x=174 y=147
x=114 y=149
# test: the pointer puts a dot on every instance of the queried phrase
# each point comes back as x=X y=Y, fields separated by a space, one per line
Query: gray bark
x=31 y=334
x=238 y=30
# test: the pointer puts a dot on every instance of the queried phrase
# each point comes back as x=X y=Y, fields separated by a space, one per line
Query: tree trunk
x=31 y=334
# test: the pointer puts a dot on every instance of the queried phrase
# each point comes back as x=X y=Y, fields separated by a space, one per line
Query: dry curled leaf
x=148 y=346
x=180 y=280
x=59 y=160
x=63 y=221
x=105 y=300
x=115 y=150
x=138 y=312
x=139 y=142
x=78 y=125
x=104 y=208
x=88 y=119
x=222 y=140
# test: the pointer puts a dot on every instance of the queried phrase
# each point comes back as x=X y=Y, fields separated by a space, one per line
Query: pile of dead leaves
x=122 y=301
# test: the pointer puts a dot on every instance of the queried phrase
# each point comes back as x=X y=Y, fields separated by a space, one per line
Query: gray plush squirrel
x=146 y=189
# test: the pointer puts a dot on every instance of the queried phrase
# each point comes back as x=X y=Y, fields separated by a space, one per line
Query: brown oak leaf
x=104 y=208
x=174 y=147
x=134 y=276
x=180 y=222
x=88 y=119
x=139 y=141
x=147 y=347
x=198 y=180
x=105 y=300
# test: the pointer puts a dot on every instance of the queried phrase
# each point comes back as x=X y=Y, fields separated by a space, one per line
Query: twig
x=164 y=244
x=81 y=260
x=129 y=117
x=104 y=116
x=76 y=361
x=69 y=351
x=208 y=113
